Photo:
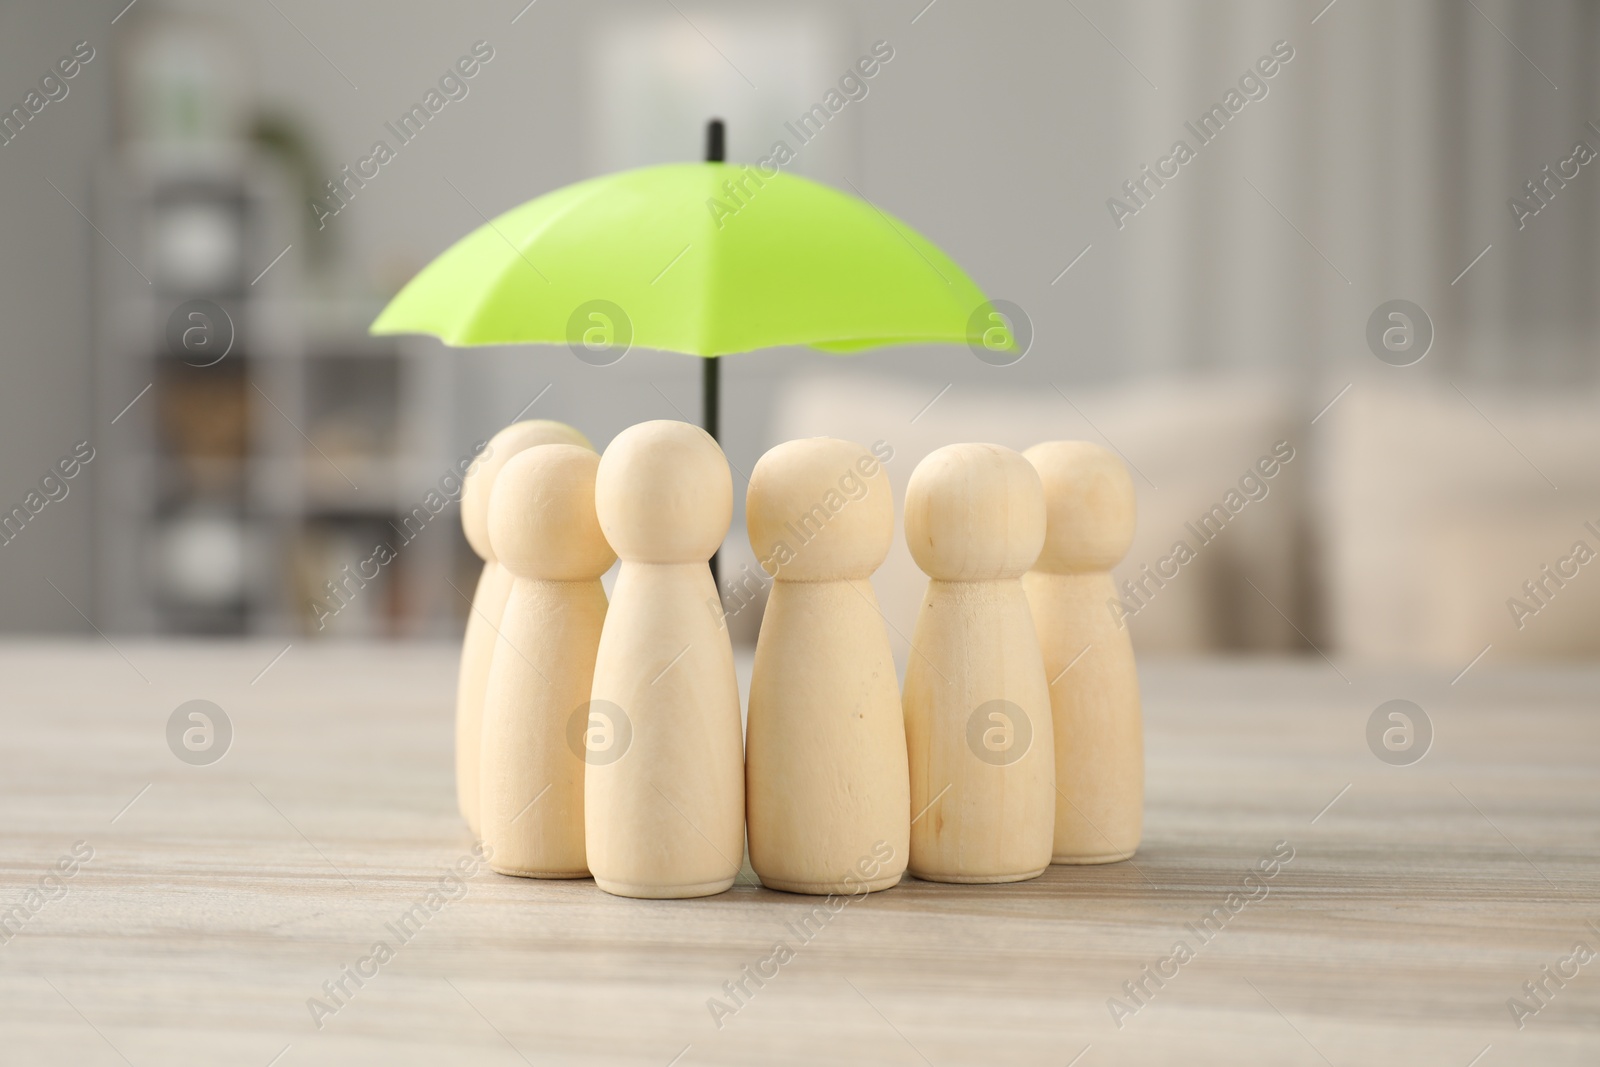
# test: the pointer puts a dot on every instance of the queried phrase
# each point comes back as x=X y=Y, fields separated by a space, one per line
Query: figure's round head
x=1089 y=506
x=478 y=485
x=974 y=513
x=541 y=515
x=664 y=494
x=819 y=509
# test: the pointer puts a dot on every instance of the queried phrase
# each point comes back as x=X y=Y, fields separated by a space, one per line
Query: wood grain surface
x=220 y=898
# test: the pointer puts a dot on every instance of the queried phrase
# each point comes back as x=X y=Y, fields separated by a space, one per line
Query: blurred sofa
x=1396 y=530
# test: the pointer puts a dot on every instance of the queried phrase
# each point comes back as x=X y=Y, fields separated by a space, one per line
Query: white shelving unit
x=234 y=487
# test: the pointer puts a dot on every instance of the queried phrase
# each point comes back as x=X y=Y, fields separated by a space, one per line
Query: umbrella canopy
x=707 y=259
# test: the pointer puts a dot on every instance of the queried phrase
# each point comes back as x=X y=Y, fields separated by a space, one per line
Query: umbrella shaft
x=710 y=390
x=710 y=387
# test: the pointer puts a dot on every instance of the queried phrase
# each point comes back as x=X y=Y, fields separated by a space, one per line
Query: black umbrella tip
x=716 y=145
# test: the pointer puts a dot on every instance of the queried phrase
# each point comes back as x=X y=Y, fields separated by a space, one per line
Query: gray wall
x=45 y=250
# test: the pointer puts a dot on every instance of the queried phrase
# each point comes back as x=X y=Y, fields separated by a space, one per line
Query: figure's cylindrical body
x=664 y=788
x=1099 y=736
x=979 y=733
x=829 y=797
x=532 y=776
x=477 y=651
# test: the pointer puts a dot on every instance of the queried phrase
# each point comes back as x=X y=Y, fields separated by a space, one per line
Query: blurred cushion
x=1435 y=509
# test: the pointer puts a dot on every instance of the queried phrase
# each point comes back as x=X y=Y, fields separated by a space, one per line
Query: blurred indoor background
x=186 y=327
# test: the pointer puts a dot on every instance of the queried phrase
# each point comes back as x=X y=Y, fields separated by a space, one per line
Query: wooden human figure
x=664 y=787
x=1094 y=692
x=545 y=535
x=826 y=784
x=489 y=600
x=977 y=706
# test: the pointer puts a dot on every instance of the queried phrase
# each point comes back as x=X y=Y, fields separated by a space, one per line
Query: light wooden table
x=222 y=897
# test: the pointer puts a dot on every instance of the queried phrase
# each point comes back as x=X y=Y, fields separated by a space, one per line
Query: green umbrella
x=707 y=259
